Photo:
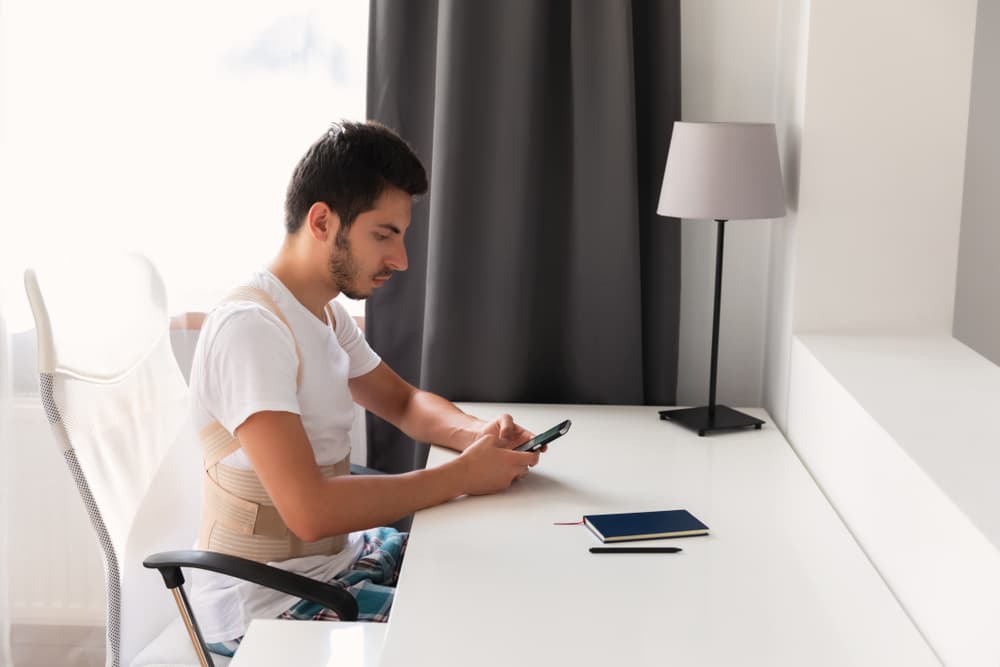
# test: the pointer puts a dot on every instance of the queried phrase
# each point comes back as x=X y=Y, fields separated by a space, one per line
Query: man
x=274 y=380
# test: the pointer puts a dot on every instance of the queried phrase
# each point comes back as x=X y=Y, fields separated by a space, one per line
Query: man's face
x=372 y=249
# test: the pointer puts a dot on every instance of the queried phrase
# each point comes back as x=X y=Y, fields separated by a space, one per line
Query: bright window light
x=166 y=128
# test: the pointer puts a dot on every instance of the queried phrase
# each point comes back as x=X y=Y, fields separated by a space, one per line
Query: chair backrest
x=118 y=406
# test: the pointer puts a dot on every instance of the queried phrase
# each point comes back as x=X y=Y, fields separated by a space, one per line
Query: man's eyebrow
x=389 y=226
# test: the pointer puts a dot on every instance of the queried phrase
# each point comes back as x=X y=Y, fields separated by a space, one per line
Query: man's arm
x=314 y=507
x=427 y=417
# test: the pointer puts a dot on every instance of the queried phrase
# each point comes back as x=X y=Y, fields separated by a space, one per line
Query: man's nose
x=397 y=261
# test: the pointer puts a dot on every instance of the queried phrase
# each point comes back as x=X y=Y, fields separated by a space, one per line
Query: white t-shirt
x=245 y=363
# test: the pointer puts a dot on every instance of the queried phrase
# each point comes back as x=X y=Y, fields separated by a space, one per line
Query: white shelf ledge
x=900 y=435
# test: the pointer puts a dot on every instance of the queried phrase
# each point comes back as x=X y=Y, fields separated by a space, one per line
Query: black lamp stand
x=713 y=417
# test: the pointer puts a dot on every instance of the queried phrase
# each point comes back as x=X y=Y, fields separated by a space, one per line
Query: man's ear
x=323 y=222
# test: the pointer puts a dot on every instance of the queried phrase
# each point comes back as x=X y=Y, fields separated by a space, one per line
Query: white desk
x=268 y=643
x=490 y=581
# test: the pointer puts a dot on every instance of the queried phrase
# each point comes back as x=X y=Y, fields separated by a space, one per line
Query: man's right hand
x=490 y=467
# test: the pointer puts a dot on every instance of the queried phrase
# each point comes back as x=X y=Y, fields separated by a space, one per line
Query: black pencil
x=634 y=550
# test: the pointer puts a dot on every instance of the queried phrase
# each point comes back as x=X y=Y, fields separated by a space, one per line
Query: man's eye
x=381 y=237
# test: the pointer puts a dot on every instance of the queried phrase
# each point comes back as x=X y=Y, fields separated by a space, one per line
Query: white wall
x=871 y=102
x=875 y=114
x=977 y=299
x=882 y=163
x=793 y=45
x=5 y=460
x=728 y=54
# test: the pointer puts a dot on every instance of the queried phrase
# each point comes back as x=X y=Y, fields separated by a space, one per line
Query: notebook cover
x=644 y=525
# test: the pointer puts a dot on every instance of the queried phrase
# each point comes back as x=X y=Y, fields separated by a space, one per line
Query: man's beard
x=344 y=268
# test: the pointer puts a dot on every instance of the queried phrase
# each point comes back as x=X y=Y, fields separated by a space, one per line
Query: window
x=166 y=128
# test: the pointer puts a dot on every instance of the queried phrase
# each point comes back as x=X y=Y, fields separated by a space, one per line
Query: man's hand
x=509 y=433
x=489 y=466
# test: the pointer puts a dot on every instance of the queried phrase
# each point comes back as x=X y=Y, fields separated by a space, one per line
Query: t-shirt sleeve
x=251 y=368
x=352 y=340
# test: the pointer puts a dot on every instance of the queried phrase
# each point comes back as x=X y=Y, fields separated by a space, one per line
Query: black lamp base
x=697 y=419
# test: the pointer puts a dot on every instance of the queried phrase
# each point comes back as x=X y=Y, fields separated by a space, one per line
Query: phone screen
x=541 y=439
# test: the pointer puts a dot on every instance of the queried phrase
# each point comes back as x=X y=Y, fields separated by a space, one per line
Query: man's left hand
x=510 y=433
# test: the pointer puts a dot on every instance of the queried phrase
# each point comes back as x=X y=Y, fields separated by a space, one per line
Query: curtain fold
x=539 y=271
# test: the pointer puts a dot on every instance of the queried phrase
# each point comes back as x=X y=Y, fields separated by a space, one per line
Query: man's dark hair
x=348 y=168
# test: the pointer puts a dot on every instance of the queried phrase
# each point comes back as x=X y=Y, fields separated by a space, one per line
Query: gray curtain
x=539 y=270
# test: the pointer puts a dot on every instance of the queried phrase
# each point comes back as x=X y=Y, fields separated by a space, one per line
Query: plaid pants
x=371 y=580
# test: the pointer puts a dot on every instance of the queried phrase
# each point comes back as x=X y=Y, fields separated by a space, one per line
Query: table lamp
x=721 y=172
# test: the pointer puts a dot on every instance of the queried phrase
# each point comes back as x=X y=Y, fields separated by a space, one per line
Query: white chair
x=118 y=406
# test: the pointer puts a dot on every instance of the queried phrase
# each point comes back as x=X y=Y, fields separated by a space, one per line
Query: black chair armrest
x=331 y=597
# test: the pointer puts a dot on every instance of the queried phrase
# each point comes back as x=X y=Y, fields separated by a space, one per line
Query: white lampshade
x=722 y=171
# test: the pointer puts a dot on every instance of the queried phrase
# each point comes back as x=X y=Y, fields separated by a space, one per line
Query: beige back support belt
x=238 y=517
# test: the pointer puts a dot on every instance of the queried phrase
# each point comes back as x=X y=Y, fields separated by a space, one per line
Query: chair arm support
x=331 y=597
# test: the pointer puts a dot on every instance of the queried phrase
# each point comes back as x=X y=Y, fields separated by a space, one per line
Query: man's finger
x=506 y=425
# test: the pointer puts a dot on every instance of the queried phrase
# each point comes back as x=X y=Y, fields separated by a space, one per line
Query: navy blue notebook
x=644 y=525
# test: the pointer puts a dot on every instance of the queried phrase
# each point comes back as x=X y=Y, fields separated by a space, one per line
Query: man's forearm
x=364 y=501
x=430 y=418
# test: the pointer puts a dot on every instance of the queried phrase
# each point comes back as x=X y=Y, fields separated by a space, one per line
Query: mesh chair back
x=117 y=404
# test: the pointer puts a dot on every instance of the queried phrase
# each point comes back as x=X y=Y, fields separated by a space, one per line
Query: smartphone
x=541 y=439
